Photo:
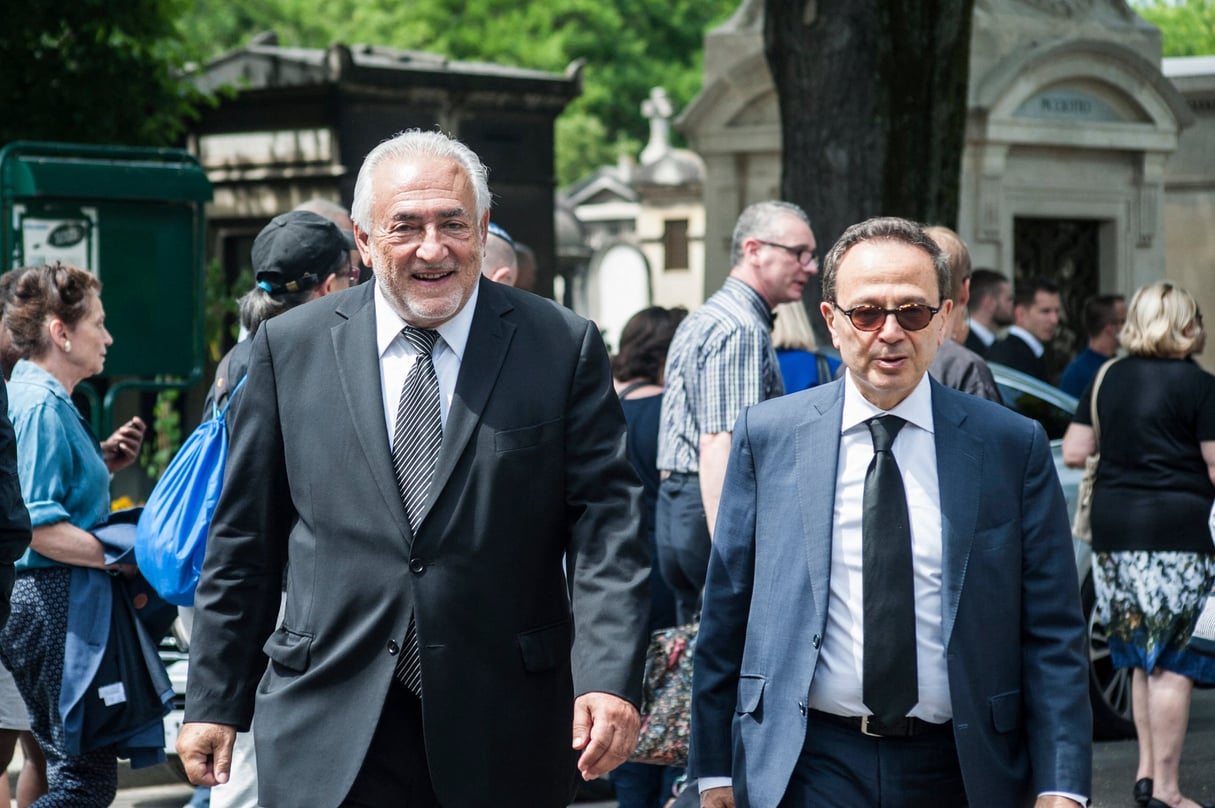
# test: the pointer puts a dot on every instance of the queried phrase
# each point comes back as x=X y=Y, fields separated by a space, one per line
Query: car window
x=1054 y=419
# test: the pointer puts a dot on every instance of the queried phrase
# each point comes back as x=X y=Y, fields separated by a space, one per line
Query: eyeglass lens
x=911 y=317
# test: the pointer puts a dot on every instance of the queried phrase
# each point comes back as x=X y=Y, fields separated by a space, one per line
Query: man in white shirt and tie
x=892 y=615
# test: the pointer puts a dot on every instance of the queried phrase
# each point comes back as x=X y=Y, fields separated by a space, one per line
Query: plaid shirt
x=720 y=362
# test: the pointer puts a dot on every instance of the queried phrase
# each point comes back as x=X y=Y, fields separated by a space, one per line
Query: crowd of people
x=451 y=522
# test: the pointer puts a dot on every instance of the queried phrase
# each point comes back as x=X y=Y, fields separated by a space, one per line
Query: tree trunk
x=873 y=97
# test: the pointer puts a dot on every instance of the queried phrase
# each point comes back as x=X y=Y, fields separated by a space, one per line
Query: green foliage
x=166 y=435
x=94 y=71
x=629 y=46
x=1187 y=26
x=220 y=324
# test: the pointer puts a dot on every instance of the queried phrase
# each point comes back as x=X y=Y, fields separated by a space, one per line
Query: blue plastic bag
x=171 y=535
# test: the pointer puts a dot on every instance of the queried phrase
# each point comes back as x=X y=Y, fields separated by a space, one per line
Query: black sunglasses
x=911 y=316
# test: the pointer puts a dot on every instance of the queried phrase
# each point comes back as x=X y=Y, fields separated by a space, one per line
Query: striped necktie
x=415 y=451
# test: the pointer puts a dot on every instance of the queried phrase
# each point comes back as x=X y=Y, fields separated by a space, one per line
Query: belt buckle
x=865 y=728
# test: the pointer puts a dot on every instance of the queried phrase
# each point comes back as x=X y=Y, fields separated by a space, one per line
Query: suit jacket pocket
x=289 y=650
x=750 y=695
x=545 y=648
x=1006 y=711
x=512 y=440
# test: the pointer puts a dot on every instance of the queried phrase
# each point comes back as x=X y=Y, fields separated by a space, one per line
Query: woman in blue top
x=56 y=319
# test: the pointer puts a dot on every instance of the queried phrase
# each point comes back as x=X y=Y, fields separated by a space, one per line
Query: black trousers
x=395 y=772
x=682 y=536
x=842 y=768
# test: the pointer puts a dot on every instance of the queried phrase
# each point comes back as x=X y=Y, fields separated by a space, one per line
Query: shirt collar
x=29 y=372
x=388 y=323
x=983 y=332
x=751 y=297
x=915 y=409
x=1028 y=338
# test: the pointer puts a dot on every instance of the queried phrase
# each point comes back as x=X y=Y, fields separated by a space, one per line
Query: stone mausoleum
x=1088 y=158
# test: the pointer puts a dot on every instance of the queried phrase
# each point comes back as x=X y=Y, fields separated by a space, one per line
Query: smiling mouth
x=432 y=275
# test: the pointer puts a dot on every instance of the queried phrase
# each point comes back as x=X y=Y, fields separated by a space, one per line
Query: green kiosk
x=135 y=218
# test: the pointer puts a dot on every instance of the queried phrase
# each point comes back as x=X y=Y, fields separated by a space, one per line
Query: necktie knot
x=422 y=339
x=883 y=430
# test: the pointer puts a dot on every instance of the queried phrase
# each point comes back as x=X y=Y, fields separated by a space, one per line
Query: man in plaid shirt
x=720 y=362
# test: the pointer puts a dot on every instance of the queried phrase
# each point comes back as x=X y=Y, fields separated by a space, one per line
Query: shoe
x=1143 y=791
x=1155 y=803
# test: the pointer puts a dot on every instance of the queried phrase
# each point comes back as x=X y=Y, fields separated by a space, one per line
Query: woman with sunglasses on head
x=1153 y=562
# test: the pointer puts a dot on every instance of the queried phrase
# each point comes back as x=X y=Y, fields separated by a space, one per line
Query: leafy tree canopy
x=629 y=46
x=1187 y=26
x=94 y=71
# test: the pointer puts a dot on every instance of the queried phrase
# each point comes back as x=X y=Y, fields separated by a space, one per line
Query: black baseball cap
x=296 y=251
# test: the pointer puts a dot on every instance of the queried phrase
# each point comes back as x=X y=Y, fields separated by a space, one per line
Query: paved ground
x=1113 y=770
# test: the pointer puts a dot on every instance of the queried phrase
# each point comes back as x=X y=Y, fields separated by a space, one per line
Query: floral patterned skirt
x=1149 y=602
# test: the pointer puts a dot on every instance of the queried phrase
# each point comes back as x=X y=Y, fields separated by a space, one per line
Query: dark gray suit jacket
x=1011 y=621
x=532 y=468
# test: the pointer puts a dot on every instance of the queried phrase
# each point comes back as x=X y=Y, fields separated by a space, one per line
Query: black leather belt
x=909 y=727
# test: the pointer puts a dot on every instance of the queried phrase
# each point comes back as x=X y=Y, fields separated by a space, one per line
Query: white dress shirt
x=397 y=355
x=837 y=684
x=981 y=331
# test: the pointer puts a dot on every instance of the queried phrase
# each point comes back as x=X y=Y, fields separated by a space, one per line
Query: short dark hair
x=41 y=292
x=1027 y=290
x=644 y=341
x=885 y=228
x=983 y=284
x=1099 y=312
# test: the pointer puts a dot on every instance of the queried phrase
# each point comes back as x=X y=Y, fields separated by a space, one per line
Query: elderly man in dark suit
x=424 y=458
x=892 y=617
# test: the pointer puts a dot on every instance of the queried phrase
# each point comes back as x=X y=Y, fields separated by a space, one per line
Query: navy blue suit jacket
x=1011 y=618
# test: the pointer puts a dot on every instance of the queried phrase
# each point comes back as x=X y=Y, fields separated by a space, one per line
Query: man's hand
x=605 y=728
x=717 y=798
x=122 y=448
x=206 y=752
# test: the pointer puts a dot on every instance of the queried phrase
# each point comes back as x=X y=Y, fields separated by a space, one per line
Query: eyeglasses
x=804 y=255
x=911 y=316
x=353 y=274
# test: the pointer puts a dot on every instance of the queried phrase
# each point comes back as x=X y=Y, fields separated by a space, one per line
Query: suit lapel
x=488 y=338
x=960 y=476
x=358 y=368
x=817 y=449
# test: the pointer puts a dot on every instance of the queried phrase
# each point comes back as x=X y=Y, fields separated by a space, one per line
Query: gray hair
x=756 y=221
x=418 y=143
x=885 y=228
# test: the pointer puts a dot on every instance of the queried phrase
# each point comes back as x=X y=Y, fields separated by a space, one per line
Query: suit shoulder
x=533 y=310
x=792 y=407
x=988 y=418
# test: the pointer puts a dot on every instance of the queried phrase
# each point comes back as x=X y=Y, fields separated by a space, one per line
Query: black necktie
x=889 y=685
x=415 y=450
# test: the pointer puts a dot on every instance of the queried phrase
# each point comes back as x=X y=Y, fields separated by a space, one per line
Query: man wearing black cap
x=297 y=257
x=436 y=465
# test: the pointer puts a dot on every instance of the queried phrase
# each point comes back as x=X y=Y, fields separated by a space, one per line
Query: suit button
x=801 y=707
x=393 y=648
x=816 y=641
x=416 y=566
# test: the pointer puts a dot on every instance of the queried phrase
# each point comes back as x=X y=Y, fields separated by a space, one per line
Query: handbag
x=1203 y=638
x=1082 y=527
x=666 y=697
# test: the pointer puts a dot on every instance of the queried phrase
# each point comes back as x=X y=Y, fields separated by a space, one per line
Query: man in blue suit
x=892 y=615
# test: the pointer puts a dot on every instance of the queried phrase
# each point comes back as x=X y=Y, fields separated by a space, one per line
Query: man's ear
x=504 y=275
x=828 y=311
x=363 y=242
